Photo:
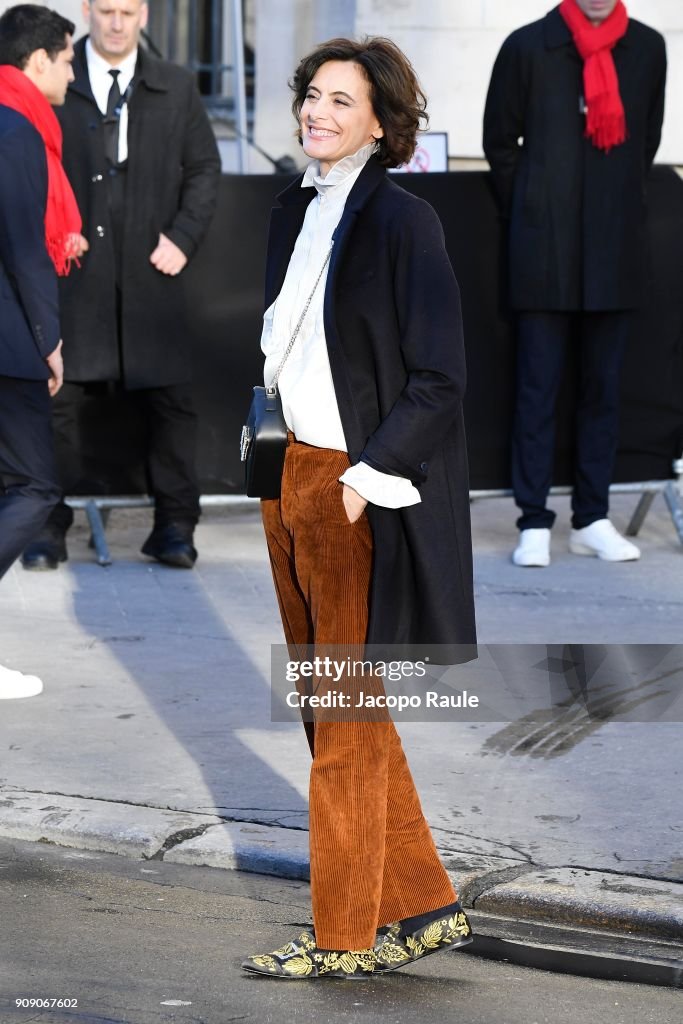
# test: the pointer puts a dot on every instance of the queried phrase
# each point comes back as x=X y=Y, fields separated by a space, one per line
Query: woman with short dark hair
x=369 y=540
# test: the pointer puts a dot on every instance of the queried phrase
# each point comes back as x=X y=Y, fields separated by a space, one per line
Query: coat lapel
x=285 y=224
x=372 y=175
x=369 y=179
x=286 y=221
x=81 y=82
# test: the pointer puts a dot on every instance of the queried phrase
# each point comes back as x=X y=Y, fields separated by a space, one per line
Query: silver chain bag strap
x=264 y=436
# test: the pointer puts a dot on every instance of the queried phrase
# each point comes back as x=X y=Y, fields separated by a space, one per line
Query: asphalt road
x=143 y=942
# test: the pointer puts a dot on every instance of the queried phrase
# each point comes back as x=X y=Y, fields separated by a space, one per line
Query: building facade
x=452 y=44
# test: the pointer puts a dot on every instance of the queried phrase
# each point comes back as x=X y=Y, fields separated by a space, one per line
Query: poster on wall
x=431 y=154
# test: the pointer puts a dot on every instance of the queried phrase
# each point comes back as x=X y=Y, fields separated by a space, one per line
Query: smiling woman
x=337 y=117
x=369 y=540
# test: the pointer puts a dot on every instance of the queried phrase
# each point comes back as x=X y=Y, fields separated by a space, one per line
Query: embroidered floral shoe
x=409 y=940
x=303 y=959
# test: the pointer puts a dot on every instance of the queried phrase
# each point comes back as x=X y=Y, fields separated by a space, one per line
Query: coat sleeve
x=656 y=112
x=427 y=303
x=504 y=120
x=201 y=176
x=23 y=197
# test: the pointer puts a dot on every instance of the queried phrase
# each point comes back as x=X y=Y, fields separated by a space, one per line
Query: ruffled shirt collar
x=339 y=173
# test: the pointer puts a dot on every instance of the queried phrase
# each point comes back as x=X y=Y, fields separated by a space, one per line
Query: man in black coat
x=574 y=201
x=143 y=161
x=37 y=43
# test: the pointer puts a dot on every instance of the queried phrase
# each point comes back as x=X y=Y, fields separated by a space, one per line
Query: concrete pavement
x=153 y=737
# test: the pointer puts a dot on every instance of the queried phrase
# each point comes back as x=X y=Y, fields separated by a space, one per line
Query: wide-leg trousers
x=542 y=341
x=373 y=859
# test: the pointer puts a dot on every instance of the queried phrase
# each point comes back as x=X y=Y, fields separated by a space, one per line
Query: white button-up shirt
x=101 y=82
x=309 y=401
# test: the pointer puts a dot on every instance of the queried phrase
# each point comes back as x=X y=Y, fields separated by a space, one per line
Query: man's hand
x=77 y=245
x=167 y=257
x=56 y=368
x=353 y=503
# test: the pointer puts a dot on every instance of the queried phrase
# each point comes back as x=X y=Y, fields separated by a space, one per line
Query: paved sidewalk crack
x=176 y=838
x=482 y=839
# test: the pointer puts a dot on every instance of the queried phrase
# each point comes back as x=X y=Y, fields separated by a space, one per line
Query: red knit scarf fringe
x=605 y=120
x=62 y=217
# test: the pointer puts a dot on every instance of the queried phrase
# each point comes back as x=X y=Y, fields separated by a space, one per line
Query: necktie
x=111 y=120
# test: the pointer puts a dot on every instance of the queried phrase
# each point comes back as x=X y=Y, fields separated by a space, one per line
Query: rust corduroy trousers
x=373 y=859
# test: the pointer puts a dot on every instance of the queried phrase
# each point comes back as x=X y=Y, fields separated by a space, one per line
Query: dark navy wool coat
x=577 y=215
x=29 y=317
x=394 y=334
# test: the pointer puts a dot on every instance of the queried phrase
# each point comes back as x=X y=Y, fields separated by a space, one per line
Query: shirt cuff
x=381 y=489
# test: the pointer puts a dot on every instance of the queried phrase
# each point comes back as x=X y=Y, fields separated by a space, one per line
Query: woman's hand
x=353 y=503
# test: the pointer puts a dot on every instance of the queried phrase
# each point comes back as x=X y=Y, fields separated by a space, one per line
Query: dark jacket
x=394 y=335
x=29 y=322
x=171 y=187
x=576 y=214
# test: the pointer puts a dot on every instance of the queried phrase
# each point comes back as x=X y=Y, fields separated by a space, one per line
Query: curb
x=579 y=921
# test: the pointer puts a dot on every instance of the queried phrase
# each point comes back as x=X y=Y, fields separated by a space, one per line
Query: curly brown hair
x=397 y=99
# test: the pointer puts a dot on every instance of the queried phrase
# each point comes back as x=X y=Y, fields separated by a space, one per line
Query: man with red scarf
x=141 y=155
x=40 y=233
x=572 y=124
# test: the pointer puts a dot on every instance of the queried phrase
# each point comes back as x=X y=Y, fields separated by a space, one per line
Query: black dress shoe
x=172 y=545
x=302 y=959
x=409 y=940
x=46 y=551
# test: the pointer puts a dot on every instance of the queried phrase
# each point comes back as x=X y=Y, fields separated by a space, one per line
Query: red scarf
x=605 y=121
x=62 y=217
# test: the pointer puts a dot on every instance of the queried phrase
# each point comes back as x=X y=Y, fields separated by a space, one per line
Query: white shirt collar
x=101 y=66
x=339 y=172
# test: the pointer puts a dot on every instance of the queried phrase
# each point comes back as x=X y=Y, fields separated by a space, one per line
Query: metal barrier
x=672 y=491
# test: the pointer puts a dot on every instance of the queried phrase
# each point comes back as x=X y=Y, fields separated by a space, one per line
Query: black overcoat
x=577 y=215
x=394 y=334
x=171 y=187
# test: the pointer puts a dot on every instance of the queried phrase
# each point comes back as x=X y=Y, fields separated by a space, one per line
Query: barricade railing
x=97 y=508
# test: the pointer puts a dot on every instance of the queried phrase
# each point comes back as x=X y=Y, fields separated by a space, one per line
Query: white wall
x=70 y=9
x=453 y=44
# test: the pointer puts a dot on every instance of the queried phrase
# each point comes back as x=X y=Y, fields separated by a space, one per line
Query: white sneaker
x=603 y=540
x=15 y=684
x=533 y=548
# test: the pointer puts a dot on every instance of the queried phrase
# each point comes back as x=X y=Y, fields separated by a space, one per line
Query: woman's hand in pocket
x=353 y=503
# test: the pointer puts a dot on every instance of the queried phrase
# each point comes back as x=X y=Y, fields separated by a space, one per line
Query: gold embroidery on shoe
x=286 y=950
x=330 y=963
x=366 y=959
x=298 y=965
x=458 y=926
x=391 y=953
x=432 y=935
x=264 y=961
x=348 y=961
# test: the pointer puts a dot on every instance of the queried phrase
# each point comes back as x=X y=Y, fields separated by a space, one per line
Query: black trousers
x=171 y=436
x=28 y=475
x=542 y=340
